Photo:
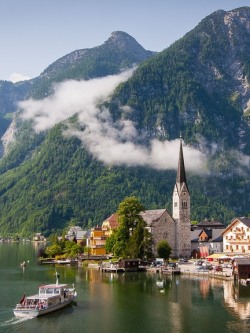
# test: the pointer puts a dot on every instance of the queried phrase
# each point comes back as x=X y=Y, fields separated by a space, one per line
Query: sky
x=36 y=33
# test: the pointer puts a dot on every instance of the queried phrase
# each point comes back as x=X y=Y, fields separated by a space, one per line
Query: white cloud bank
x=111 y=143
x=16 y=77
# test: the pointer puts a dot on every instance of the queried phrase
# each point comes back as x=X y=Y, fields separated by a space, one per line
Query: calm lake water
x=120 y=303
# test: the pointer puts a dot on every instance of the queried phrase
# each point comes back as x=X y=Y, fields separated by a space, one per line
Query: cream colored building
x=236 y=237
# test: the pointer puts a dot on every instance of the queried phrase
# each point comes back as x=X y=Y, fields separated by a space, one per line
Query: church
x=174 y=229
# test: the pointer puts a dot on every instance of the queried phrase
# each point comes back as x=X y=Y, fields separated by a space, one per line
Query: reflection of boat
x=245 y=282
x=160 y=284
x=51 y=297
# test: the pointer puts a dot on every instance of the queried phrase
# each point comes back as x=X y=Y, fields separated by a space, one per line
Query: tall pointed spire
x=181 y=174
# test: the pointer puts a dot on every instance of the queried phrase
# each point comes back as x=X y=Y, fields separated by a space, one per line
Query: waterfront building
x=96 y=242
x=39 y=237
x=98 y=235
x=206 y=241
x=110 y=224
x=236 y=237
x=174 y=229
x=241 y=268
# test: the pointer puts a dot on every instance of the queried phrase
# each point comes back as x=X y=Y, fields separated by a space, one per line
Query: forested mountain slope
x=199 y=86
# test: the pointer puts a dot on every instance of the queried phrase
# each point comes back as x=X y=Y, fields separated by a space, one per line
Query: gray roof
x=195 y=235
x=154 y=215
x=217 y=235
x=242 y=261
x=210 y=223
x=245 y=220
x=213 y=234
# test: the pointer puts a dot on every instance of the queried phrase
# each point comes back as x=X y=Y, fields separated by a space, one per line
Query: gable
x=154 y=215
x=235 y=222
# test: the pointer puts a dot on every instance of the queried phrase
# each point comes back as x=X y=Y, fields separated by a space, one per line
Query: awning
x=217 y=256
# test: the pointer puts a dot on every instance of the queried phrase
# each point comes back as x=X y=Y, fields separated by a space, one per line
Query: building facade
x=161 y=225
x=236 y=237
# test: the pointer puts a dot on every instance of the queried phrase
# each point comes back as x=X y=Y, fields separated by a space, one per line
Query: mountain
x=199 y=86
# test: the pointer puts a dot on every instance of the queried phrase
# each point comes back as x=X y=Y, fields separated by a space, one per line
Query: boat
x=63 y=261
x=50 y=297
x=245 y=282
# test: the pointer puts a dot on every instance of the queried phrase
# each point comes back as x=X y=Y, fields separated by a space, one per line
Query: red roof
x=113 y=221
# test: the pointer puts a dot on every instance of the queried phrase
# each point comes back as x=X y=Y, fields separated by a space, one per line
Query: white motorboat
x=245 y=282
x=50 y=297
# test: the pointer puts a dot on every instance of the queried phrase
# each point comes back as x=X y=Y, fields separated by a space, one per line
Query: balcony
x=238 y=231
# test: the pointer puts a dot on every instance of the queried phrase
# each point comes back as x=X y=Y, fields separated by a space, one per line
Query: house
x=206 y=241
x=39 y=237
x=110 y=224
x=98 y=235
x=97 y=241
x=129 y=264
x=241 y=268
x=236 y=237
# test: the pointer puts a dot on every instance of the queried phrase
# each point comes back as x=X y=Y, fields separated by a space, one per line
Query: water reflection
x=123 y=302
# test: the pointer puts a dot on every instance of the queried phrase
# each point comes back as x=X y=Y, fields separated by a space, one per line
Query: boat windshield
x=49 y=291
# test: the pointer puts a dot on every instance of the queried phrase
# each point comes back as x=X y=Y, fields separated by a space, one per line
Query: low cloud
x=114 y=143
x=16 y=77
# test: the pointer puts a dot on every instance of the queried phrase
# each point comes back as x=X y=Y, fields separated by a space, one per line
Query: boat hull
x=35 y=312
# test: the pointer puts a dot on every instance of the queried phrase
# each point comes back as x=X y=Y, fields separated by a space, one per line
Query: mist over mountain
x=103 y=123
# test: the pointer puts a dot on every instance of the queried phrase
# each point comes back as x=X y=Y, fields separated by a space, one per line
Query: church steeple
x=181 y=200
x=181 y=209
x=181 y=173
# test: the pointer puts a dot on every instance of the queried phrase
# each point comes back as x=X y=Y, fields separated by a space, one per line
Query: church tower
x=181 y=211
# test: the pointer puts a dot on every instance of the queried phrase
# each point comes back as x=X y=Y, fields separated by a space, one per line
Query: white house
x=236 y=237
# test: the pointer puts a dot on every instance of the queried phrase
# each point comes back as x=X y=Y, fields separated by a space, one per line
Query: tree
x=110 y=242
x=53 y=250
x=128 y=216
x=131 y=238
x=164 y=249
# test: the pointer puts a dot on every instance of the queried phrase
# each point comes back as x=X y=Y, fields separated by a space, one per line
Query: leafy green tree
x=110 y=242
x=53 y=250
x=128 y=216
x=131 y=239
x=75 y=250
x=164 y=249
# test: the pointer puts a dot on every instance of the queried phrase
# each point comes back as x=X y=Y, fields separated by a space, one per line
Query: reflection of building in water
x=180 y=297
x=236 y=299
x=204 y=287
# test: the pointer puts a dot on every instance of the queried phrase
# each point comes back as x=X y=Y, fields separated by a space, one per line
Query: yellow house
x=97 y=242
x=110 y=224
x=99 y=235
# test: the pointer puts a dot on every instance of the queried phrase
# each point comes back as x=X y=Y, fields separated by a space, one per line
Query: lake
x=120 y=303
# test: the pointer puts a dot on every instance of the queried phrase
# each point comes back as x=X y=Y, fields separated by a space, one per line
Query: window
x=184 y=205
